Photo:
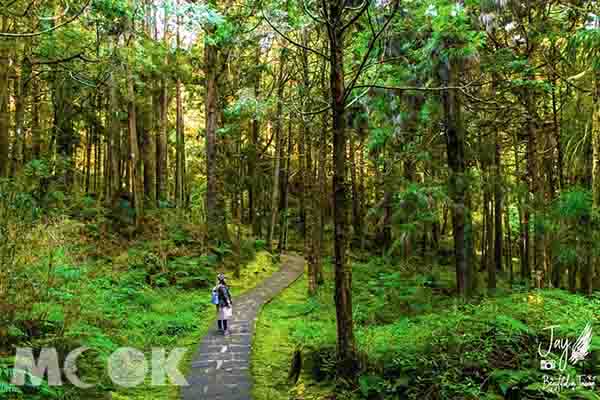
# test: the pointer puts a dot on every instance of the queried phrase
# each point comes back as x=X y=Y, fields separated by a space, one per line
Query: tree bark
x=134 y=157
x=595 y=171
x=535 y=185
x=180 y=137
x=113 y=154
x=64 y=130
x=4 y=97
x=498 y=205
x=346 y=346
x=278 y=150
x=162 y=170
x=458 y=184
x=215 y=203
x=253 y=172
x=148 y=148
x=356 y=214
x=36 y=134
x=285 y=179
x=21 y=95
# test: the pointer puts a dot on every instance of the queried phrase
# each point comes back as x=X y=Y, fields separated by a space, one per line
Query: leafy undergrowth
x=153 y=292
x=417 y=343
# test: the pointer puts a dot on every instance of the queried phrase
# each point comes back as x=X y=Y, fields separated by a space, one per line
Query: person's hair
x=221 y=278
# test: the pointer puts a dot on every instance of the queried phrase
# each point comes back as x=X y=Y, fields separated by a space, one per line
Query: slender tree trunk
x=4 y=97
x=97 y=155
x=508 y=247
x=180 y=146
x=114 y=151
x=64 y=130
x=356 y=215
x=484 y=226
x=491 y=266
x=535 y=185
x=134 y=157
x=253 y=172
x=215 y=203
x=346 y=346
x=36 y=134
x=88 y=155
x=595 y=175
x=596 y=144
x=498 y=204
x=557 y=138
x=322 y=195
x=279 y=138
x=148 y=147
x=458 y=180
x=387 y=205
x=21 y=95
x=162 y=169
x=283 y=223
x=362 y=195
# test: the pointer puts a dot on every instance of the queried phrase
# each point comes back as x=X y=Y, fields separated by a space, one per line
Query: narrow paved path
x=221 y=366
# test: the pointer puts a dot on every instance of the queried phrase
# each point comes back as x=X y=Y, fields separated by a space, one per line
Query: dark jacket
x=224 y=295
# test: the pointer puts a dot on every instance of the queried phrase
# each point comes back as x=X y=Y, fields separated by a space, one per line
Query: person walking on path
x=224 y=306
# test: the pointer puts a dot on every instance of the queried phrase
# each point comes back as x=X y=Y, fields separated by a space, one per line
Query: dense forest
x=434 y=163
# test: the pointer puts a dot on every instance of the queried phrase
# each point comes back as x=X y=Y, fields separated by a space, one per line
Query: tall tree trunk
x=595 y=167
x=458 y=184
x=36 y=134
x=162 y=169
x=356 y=214
x=322 y=197
x=64 y=130
x=88 y=155
x=148 y=145
x=535 y=185
x=498 y=205
x=253 y=172
x=312 y=195
x=114 y=152
x=557 y=137
x=279 y=138
x=4 y=97
x=21 y=95
x=215 y=203
x=180 y=145
x=134 y=157
x=509 y=246
x=285 y=179
x=346 y=346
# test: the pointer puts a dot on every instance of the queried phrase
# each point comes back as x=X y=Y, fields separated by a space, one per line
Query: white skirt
x=224 y=313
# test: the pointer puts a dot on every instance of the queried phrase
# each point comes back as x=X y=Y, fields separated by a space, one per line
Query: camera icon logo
x=547 y=365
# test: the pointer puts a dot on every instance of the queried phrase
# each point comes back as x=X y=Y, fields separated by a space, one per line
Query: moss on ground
x=415 y=342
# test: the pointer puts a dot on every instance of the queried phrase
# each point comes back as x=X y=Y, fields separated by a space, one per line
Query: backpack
x=215 y=296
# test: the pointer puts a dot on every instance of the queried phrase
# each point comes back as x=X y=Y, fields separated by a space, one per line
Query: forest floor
x=99 y=290
x=416 y=341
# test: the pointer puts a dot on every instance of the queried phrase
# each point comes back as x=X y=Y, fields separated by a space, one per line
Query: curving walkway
x=221 y=367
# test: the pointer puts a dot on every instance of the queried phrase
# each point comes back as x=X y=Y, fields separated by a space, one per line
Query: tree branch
x=291 y=41
x=370 y=49
x=33 y=34
x=357 y=16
